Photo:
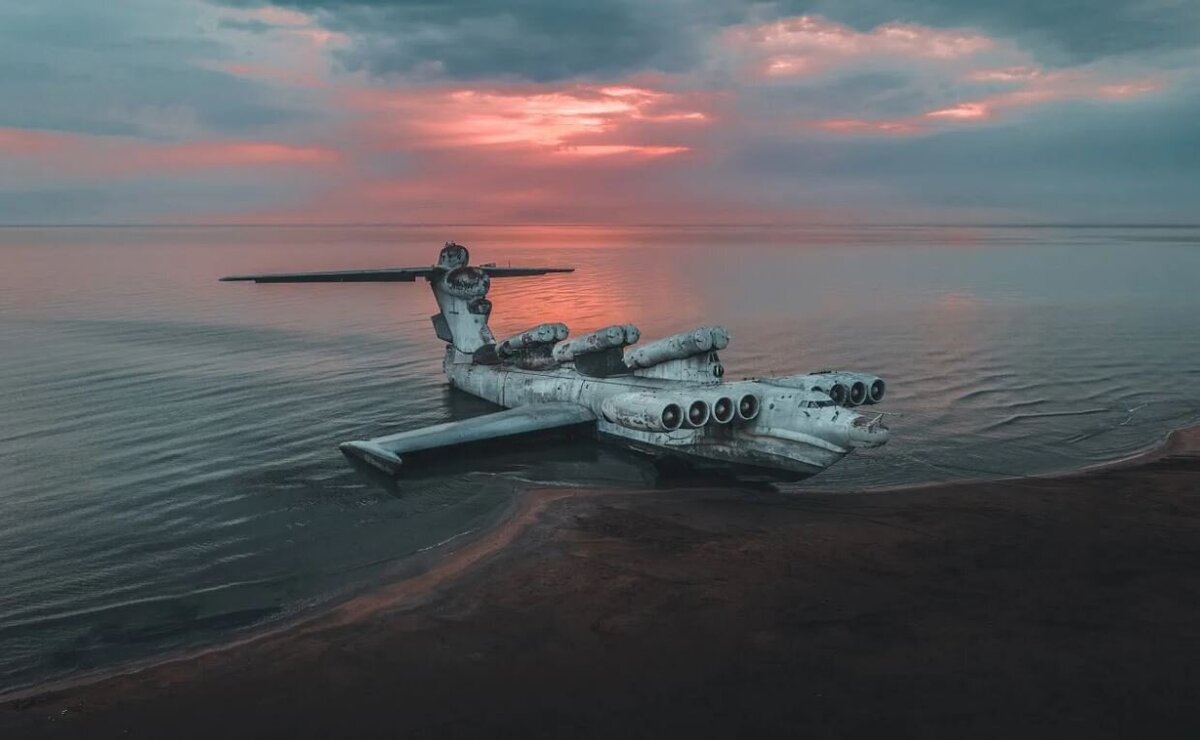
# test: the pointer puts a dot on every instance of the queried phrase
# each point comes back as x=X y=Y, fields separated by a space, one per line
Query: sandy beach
x=1045 y=607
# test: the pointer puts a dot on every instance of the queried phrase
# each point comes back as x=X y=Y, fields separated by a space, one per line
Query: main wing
x=386 y=453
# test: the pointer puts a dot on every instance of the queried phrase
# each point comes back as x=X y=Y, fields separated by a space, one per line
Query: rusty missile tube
x=678 y=347
x=597 y=341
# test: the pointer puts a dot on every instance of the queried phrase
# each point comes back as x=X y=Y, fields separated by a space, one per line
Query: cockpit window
x=817 y=404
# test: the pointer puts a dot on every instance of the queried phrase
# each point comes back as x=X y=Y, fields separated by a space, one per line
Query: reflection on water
x=169 y=442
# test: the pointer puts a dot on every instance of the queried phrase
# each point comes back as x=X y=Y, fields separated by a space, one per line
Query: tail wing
x=386 y=453
x=498 y=272
x=387 y=275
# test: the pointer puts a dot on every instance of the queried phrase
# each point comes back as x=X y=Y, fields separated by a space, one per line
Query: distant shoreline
x=988 y=566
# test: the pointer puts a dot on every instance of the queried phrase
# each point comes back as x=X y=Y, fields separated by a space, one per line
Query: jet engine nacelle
x=597 y=341
x=850 y=389
x=647 y=412
x=539 y=335
x=678 y=347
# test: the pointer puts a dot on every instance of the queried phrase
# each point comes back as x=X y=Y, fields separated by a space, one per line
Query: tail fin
x=460 y=290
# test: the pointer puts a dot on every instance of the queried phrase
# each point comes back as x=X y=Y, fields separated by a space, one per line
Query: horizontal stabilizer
x=387 y=452
x=498 y=272
x=388 y=275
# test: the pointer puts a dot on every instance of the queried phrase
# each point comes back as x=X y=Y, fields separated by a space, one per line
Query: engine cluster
x=844 y=388
x=661 y=411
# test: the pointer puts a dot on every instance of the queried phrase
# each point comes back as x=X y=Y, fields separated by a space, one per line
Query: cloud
x=939 y=76
x=1033 y=88
x=613 y=111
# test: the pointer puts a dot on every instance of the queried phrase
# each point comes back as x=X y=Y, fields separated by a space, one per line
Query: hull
x=747 y=448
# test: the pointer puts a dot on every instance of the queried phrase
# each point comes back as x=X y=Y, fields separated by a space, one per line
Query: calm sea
x=169 y=471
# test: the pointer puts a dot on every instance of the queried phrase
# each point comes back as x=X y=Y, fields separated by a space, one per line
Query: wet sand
x=1044 y=607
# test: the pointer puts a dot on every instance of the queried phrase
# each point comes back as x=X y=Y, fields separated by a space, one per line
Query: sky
x=609 y=111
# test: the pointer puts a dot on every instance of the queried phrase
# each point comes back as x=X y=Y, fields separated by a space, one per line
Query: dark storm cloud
x=543 y=40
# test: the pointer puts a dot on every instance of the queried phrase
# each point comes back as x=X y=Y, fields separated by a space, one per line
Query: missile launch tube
x=601 y=339
x=678 y=347
x=538 y=335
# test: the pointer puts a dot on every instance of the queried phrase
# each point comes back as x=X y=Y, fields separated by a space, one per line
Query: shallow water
x=168 y=448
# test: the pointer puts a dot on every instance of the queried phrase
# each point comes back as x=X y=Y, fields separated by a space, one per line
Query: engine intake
x=698 y=414
x=647 y=412
x=723 y=409
x=748 y=407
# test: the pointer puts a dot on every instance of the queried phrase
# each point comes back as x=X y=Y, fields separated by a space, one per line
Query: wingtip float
x=667 y=398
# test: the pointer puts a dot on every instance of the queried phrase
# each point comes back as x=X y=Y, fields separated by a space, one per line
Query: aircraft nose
x=868 y=431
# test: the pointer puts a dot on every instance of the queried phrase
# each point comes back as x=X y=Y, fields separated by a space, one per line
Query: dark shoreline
x=1066 y=605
